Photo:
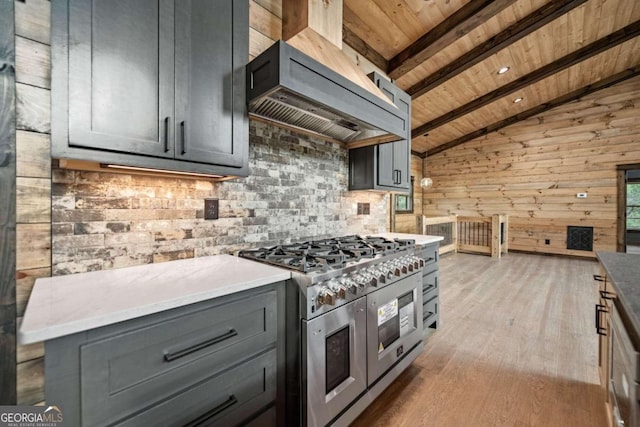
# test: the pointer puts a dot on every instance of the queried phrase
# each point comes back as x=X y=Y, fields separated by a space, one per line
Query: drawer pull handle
x=599 y=329
x=169 y=357
x=232 y=400
x=598 y=278
x=607 y=295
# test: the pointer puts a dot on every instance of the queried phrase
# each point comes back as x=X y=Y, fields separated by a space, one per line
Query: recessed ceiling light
x=503 y=70
x=518 y=99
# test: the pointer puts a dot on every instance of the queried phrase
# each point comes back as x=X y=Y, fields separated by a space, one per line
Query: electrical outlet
x=359 y=208
x=547 y=241
x=210 y=208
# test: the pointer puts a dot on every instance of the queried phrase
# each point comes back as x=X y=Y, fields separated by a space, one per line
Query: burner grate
x=324 y=254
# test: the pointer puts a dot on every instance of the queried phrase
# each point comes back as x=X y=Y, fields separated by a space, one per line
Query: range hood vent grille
x=286 y=86
x=288 y=108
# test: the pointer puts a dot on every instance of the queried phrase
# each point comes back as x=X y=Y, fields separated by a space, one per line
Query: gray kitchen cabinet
x=385 y=166
x=218 y=362
x=430 y=287
x=155 y=84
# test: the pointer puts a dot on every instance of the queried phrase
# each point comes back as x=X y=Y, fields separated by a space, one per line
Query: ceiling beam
x=463 y=21
x=360 y=46
x=532 y=22
x=571 y=96
x=580 y=55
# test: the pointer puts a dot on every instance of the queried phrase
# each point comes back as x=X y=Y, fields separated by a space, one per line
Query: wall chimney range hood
x=286 y=86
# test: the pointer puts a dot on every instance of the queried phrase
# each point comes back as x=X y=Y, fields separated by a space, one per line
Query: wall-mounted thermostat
x=581 y=195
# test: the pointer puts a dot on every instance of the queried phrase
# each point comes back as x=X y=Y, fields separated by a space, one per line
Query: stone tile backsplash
x=297 y=190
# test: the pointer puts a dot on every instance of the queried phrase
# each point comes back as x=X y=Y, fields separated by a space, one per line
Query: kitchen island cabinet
x=197 y=340
x=151 y=84
x=617 y=317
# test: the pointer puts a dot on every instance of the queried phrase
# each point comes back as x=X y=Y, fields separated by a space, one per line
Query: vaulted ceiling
x=446 y=54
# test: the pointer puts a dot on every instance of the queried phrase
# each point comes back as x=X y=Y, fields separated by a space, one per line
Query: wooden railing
x=483 y=235
x=445 y=226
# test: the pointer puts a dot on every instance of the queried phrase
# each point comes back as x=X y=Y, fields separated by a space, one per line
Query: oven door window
x=337 y=357
x=395 y=319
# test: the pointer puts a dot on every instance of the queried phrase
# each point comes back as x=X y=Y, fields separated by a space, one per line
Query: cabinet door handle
x=599 y=329
x=166 y=134
x=183 y=139
x=607 y=295
x=399 y=176
x=598 y=278
x=169 y=357
x=232 y=400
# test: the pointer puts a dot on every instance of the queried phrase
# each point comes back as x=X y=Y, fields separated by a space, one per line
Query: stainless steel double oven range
x=354 y=322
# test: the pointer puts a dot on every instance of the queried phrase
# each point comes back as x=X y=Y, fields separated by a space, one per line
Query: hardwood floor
x=516 y=347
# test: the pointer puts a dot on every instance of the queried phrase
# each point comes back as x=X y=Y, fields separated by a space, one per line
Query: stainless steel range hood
x=287 y=86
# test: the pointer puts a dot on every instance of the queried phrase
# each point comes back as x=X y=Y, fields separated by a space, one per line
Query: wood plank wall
x=533 y=170
x=33 y=177
x=8 y=206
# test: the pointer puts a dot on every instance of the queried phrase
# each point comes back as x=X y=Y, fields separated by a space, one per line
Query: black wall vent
x=580 y=238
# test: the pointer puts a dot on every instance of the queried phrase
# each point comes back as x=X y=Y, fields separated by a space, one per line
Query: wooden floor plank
x=516 y=347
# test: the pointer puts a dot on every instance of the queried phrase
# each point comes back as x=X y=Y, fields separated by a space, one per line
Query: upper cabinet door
x=210 y=85
x=121 y=75
x=387 y=172
x=401 y=154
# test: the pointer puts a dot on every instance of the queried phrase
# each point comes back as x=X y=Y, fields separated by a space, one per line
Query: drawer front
x=430 y=284
x=430 y=256
x=125 y=373
x=227 y=399
x=430 y=311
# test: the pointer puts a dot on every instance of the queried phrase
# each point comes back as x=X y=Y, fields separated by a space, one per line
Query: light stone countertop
x=420 y=239
x=65 y=305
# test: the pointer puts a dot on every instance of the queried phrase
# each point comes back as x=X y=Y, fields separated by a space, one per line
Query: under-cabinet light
x=503 y=70
x=162 y=171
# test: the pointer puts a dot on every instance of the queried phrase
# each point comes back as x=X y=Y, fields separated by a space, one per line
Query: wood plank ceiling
x=446 y=54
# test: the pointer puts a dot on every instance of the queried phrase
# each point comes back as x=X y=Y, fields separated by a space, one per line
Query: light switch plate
x=210 y=208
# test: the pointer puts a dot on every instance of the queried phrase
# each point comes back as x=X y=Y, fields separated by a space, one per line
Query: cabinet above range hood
x=287 y=86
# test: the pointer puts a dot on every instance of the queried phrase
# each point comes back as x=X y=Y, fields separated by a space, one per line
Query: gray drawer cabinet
x=430 y=287
x=213 y=363
x=155 y=84
x=386 y=166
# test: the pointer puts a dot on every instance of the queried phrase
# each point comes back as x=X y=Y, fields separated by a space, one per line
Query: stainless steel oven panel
x=322 y=406
x=379 y=362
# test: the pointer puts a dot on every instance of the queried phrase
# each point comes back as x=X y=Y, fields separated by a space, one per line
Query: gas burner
x=327 y=254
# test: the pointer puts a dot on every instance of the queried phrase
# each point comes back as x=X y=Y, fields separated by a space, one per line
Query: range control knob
x=349 y=285
x=325 y=296
x=378 y=274
x=339 y=291
x=360 y=280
